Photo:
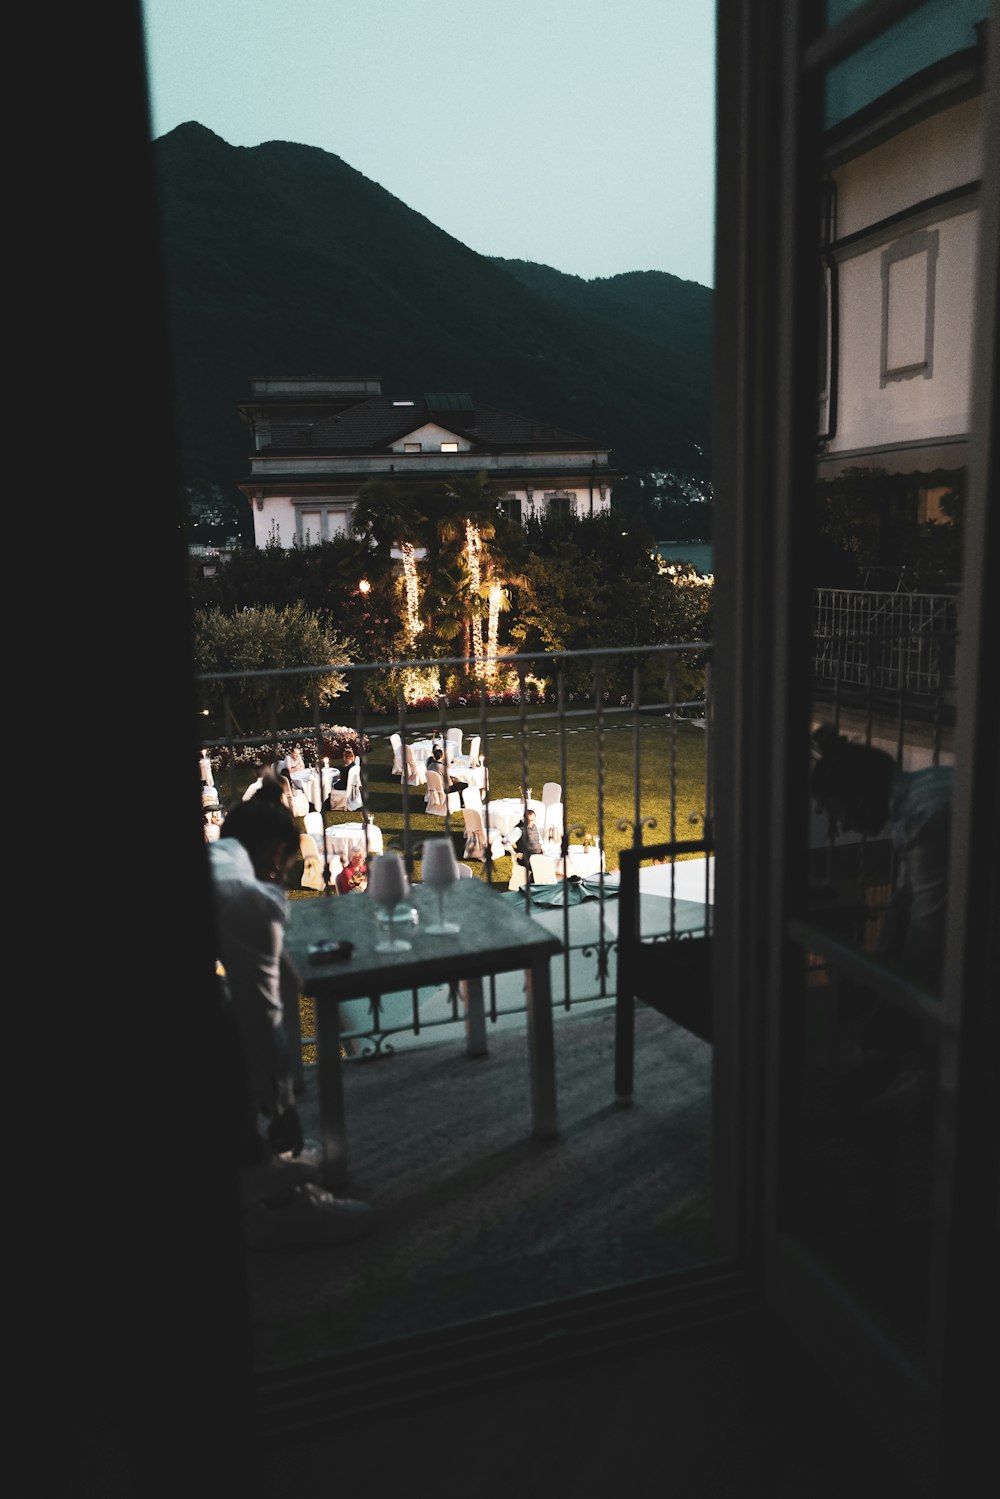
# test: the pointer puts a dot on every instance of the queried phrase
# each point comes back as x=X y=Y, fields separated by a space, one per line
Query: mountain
x=281 y=259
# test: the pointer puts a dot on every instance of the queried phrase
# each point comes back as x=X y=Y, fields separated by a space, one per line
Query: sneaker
x=311 y=1215
x=277 y=1176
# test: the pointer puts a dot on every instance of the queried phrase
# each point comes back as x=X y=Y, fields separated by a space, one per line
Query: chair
x=348 y=800
x=477 y=836
x=673 y=977
x=324 y=783
x=396 y=740
x=315 y=827
x=472 y=753
x=454 y=746
x=518 y=877
x=552 y=825
x=300 y=802
x=543 y=869
x=312 y=863
x=464 y=872
x=439 y=804
x=416 y=774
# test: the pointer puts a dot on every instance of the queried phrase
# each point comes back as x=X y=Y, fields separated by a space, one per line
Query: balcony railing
x=885 y=644
x=627 y=735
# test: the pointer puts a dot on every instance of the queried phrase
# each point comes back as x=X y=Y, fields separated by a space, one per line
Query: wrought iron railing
x=885 y=643
x=643 y=718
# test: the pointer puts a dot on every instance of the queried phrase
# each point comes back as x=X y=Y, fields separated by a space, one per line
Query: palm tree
x=391 y=517
x=472 y=524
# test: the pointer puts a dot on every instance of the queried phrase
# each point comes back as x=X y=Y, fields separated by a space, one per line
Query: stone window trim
x=920 y=242
x=561 y=499
x=329 y=510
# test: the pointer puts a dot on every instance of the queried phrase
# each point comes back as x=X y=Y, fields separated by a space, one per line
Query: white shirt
x=250 y=932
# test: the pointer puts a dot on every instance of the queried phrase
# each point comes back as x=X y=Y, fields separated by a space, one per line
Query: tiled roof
x=372 y=427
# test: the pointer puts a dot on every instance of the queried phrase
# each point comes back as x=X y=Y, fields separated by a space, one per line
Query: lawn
x=658 y=743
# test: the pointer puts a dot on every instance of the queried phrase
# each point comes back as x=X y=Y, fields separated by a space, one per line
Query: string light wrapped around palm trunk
x=473 y=548
x=414 y=624
x=493 y=638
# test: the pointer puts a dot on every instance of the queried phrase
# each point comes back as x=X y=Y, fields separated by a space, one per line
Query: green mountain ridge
x=281 y=259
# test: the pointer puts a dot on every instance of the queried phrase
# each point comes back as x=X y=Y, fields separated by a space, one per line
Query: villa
x=316 y=440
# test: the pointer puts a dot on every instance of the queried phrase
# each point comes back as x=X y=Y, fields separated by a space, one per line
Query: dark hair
x=262 y=824
x=854 y=778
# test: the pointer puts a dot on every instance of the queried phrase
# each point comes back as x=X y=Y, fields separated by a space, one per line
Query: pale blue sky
x=575 y=133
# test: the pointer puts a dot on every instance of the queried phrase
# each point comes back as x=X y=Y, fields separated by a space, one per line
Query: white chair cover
x=543 y=869
x=438 y=804
x=312 y=863
x=396 y=740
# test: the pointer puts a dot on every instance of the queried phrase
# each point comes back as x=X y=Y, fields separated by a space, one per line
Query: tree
x=478 y=545
x=268 y=639
x=393 y=517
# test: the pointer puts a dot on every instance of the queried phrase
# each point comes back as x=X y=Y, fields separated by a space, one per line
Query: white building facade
x=899 y=262
x=316 y=440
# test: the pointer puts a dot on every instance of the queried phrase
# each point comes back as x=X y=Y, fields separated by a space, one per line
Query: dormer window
x=449 y=447
x=413 y=447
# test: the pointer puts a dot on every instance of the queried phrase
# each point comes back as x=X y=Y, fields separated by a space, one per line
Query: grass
x=664 y=755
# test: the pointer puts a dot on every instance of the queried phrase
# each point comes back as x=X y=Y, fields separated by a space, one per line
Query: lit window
x=449 y=447
x=412 y=447
x=402 y=403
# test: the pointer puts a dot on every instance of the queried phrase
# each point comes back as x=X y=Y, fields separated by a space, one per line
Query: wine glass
x=388 y=885
x=439 y=869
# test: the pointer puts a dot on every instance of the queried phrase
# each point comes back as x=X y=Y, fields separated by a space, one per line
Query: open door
x=857 y=1127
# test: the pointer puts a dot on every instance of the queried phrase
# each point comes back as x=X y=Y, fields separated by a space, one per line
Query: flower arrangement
x=334 y=739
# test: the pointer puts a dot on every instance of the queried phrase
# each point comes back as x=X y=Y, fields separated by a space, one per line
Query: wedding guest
x=529 y=842
x=250 y=863
x=294 y=761
x=438 y=761
x=354 y=875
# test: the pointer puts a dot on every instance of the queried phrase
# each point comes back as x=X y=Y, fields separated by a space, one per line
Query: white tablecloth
x=506 y=813
x=470 y=775
x=343 y=836
x=581 y=861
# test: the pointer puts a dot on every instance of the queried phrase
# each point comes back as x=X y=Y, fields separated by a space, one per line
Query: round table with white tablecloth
x=582 y=861
x=506 y=812
x=341 y=837
x=469 y=775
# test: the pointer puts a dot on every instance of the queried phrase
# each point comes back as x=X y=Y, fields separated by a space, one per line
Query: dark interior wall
x=151 y=1332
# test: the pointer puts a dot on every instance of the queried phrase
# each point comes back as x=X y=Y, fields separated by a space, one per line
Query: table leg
x=330 y=1083
x=475 y=1018
x=541 y=1050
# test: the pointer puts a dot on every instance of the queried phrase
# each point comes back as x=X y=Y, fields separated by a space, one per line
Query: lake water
x=697 y=552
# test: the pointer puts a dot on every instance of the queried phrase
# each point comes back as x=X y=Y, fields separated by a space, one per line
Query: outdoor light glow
x=414 y=624
x=364 y=586
x=473 y=547
x=496 y=595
